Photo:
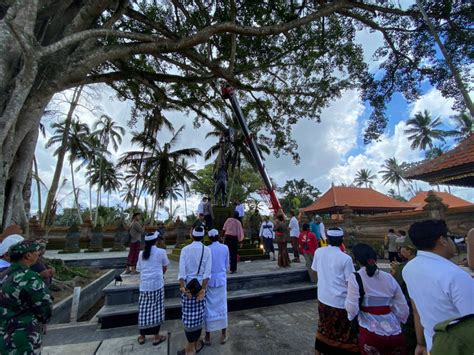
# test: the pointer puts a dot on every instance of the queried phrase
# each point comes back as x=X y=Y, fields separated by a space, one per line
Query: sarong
x=133 y=253
x=283 y=257
x=334 y=335
x=216 y=308
x=192 y=313
x=371 y=343
x=151 y=310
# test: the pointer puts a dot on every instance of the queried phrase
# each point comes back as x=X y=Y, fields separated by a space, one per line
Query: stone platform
x=282 y=329
x=256 y=284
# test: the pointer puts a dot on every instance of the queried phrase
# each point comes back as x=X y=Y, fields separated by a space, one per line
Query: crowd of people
x=425 y=304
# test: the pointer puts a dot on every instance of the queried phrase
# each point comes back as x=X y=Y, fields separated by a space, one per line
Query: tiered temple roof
x=455 y=167
x=360 y=200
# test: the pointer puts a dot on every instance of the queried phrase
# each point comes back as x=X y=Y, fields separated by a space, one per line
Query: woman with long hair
x=280 y=232
x=376 y=298
x=152 y=264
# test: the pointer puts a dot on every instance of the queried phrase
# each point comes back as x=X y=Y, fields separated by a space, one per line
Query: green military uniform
x=454 y=336
x=25 y=305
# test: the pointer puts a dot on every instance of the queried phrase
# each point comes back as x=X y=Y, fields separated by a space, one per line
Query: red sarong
x=133 y=253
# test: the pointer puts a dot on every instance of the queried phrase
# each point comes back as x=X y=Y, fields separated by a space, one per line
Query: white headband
x=198 y=234
x=152 y=236
x=213 y=233
x=335 y=232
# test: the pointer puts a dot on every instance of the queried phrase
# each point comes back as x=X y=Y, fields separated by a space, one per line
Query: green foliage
x=247 y=181
x=65 y=273
x=364 y=177
x=297 y=194
x=423 y=131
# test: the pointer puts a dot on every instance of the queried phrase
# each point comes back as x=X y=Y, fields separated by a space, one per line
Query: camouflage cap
x=24 y=247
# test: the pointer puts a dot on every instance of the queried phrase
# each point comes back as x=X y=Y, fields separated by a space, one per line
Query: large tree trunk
x=53 y=190
x=454 y=71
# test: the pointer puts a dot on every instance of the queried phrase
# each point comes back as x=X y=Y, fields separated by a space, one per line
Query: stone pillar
x=348 y=225
x=72 y=240
x=435 y=206
x=96 y=240
x=36 y=230
x=120 y=237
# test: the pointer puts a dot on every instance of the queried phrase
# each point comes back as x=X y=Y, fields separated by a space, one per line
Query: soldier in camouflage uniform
x=25 y=304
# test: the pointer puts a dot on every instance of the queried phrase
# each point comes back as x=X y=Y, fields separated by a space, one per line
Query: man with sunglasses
x=438 y=288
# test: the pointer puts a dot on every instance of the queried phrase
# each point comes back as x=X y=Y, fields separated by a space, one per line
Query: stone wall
x=374 y=228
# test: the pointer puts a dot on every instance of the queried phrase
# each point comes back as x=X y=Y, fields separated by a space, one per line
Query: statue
x=220 y=167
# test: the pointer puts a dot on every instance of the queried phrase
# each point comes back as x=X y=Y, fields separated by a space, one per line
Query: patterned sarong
x=151 y=308
x=192 y=313
x=334 y=335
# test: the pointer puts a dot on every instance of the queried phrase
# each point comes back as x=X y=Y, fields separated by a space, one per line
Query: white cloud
x=373 y=157
x=434 y=103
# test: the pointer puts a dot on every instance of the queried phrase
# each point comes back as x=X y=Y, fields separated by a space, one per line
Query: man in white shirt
x=195 y=262
x=216 y=294
x=333 y=268
x=267 y=236
x=294 y=234
x=322 y=228
x=200 y=209
x=439 y=289
x=239 y=207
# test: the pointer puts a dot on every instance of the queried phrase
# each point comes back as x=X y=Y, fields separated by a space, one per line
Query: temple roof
x=452 y=201
x=455 y=167
x=360 y=200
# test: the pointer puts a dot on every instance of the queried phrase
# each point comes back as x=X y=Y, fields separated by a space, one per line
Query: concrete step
x=128 y=292
x=111 y=316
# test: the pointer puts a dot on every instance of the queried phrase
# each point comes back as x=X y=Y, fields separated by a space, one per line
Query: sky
x=331 y=151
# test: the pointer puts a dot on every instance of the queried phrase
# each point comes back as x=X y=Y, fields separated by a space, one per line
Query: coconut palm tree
x=364 y=177
x=61 y=135
x=78 y=147
x=162 y=161
x=106 y=131
x=464 y=126
x=435 y=152
x=239 y=149
x=393 y=172
x=102 y=172
x=126 y=193
x=423 y=131
x=154 y=122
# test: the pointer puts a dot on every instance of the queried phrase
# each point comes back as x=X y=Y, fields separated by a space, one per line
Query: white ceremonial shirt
x=240 y=208
x=440 y=289
x=380 y=290
x=294 y=227
x=334 y=268
x=200 y=208
x=151 y=270
x=266 y=230
x=322 y=229
x=220 y=264
x=189 y=262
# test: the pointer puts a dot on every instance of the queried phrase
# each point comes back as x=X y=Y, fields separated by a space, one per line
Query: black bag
x=193 y=286
x=355 y=322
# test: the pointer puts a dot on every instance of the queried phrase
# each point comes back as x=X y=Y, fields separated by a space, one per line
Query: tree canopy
x=247 y=182
x=297 y=194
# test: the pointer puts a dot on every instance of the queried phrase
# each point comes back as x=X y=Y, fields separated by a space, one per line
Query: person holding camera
x=195 y=266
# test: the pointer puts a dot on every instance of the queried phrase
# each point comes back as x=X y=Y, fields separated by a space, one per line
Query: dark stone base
x=98 y=250
x=69 y=251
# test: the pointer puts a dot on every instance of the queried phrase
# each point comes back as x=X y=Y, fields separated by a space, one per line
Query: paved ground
x=283 y=329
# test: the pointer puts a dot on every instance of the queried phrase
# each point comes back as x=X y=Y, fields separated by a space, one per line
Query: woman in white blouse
x=381 y=308
x=152 y=264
